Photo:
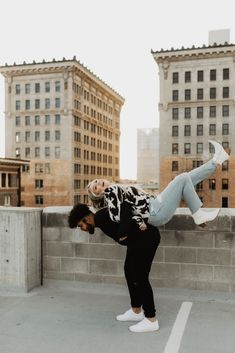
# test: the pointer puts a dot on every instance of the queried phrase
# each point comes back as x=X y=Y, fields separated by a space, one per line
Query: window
x=17 y=121
x=225 y=166
x=37 y=152
x=212 y=129
x=187 y=94
x=57 y=86
x=213 y=75
x=57 y=152
x=175 y=148
x=187 y=113
x=175 y=166
x=37 y=119
x=225 y=74
x=27 y=88
x=37 y=103
x=225 y=129
x=47 y=135
x=37 y=136
x=57 y=119
x=27 y=152
x=224 y=184
x=199 y=148
x=225 y=144
x=199 y=112
x=187 y=130
x=212 y=93
x=47 y=119
x=199 y=186
x=224 y=202
x=187 y=148
x=212 y=111
x=200 y=76
x=47 y=152
x=47 y=103
x=225 y=110
x=175 y=113
x=17 y=106
x=27 y=104
x=39 y=200
x=175 y=95
x=57 y=135
x=37 y=87
x=212 y=184
x=225 y=92
x=175 y=77
x=187 y=76
x=17 y=152
x=57 y=102
x=27 y=136
x=200 y=93
x=17 y=137
x=38 y=168
x=38 y=184
x=47 y=86
x=197 y=164
x=27 y=120
x=175 y=130
x=17 y=89
x=200 y=130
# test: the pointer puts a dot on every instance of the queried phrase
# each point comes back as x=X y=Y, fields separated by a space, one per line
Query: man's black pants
x=141 y=249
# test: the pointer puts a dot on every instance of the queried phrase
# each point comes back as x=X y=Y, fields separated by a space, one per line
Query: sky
x=112 y=38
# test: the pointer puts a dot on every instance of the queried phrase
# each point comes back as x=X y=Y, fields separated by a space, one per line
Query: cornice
x=64 y=65
x=195 y=53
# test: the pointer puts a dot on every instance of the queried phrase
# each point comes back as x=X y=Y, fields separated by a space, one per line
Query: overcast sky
x=113 y=38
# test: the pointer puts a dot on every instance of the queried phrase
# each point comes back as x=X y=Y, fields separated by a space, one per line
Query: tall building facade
x=197 y=90
x=66 y=121
x=147 y=155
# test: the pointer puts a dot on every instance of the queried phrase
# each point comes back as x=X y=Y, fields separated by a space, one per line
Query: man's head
x=82 y=217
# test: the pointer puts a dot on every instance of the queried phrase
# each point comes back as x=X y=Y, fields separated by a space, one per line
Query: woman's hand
x=143 y=226
x=122 y=238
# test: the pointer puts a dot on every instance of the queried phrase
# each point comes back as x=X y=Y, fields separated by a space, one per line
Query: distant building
x=66 y=120
x=148 y=156
x=197 y=89
x=10 y=180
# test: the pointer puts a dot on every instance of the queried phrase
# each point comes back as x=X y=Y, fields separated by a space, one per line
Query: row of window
x=200 y=94
x=188 y=148
x=36 y=152
x=8 y=180
x=93 y=156
x=196 y=164
x=212 y=111
x=37 y=120
x=37 y=136
x=212 y=75
x=94 y=100
x=28 y=104
x=200 y=130
x=36 y=87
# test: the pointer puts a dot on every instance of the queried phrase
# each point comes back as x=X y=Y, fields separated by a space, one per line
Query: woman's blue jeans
x=162 y=208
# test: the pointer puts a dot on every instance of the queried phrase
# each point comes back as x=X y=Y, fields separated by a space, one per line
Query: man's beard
x=90 y=228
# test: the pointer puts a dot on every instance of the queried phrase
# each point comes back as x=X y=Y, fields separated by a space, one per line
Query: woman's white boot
x=202 y=216
x=220 y=155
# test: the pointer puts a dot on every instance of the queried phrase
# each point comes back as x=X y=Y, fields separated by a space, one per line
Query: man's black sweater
x=126 y=226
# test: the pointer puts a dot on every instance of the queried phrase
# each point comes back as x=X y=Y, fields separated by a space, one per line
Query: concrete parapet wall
x=20 y=248
x=188 y=256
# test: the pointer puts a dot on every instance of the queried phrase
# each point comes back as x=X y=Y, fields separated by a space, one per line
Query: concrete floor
x=63 y=317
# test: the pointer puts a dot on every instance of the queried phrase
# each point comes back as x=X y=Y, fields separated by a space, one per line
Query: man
x=141 y=248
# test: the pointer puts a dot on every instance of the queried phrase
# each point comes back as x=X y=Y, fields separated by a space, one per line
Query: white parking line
x=173 y=343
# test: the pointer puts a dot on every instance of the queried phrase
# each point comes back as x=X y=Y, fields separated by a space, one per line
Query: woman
x=159 y=210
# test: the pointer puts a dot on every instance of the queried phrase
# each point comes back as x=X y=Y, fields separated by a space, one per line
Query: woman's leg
x=203 y=172
x=180 y=187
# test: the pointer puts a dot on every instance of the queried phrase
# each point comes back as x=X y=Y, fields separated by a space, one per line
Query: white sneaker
x=145 y=326
x=202 y=216
x=220 y=155
x=129 y=315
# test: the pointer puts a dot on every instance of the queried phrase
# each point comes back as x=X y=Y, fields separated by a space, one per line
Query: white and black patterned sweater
x=115 y=194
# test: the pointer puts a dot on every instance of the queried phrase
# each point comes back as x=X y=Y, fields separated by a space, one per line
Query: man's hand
x=143 y=226
x=122 y=238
